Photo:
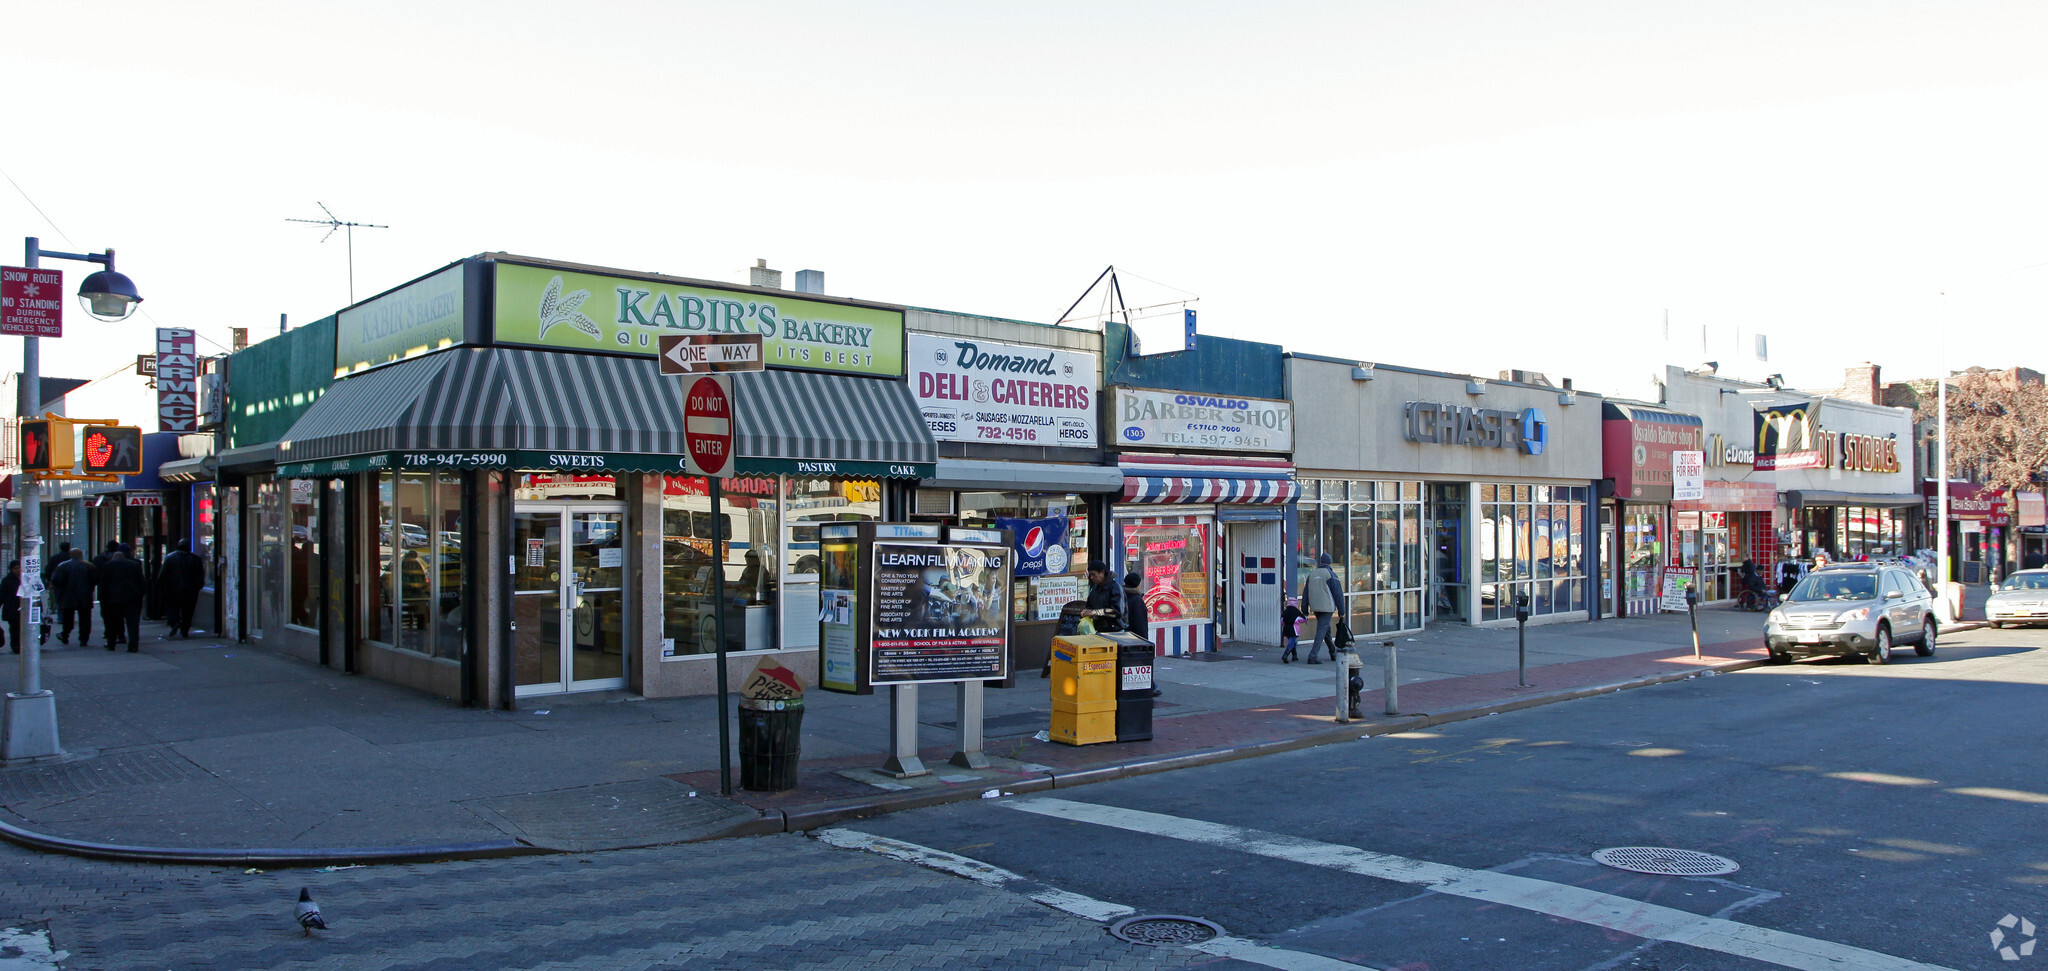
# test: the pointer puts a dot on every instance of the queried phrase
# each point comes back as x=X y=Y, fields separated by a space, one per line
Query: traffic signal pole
x=31 y=713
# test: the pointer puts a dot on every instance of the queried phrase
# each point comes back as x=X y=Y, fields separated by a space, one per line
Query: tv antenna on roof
x=333 y=222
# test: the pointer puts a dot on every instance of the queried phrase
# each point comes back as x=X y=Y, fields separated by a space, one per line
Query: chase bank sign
x=1437 y=423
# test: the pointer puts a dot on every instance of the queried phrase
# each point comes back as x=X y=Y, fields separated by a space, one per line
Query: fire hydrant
x=1349 y=683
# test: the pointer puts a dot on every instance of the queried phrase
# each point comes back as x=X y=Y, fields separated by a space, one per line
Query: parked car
x=1853 y=608
x=2021 y=599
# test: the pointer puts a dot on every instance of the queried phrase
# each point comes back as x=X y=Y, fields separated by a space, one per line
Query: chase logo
x=1535 y=431
x=1134 y=433
x=1034 y=542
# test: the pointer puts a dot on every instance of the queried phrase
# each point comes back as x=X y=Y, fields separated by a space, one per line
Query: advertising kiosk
x=906 y=604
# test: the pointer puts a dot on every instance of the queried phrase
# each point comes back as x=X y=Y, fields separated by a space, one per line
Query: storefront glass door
x=568 y=598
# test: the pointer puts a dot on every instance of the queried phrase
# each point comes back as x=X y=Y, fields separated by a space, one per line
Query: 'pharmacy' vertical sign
x=177 y=380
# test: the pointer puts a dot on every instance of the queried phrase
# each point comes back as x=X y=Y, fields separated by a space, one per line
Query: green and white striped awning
x=500 y=408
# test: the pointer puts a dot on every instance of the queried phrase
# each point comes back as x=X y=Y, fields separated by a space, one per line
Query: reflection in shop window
x=1047 y=581
x=746 y=526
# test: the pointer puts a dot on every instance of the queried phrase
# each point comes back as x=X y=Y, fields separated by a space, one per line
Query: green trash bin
x=770 y=744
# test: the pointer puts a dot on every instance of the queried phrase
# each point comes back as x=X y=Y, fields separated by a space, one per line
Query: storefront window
x=1642 y=550
x=1054 y=579
x=1375 y=544
x=304 y=517
x=1173 y=564
x=806 y=503
x=1539 y=532
x=414 y=597
x=748 y=525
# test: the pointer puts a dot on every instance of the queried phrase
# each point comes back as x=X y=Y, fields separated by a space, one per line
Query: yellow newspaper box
x=1083 y=689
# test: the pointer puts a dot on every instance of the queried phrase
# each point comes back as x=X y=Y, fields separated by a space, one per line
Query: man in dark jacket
x=107 y=621
x=1105 y=601
x=71 y=586
x=10 y=604
x=183 y=575
x=121 y=599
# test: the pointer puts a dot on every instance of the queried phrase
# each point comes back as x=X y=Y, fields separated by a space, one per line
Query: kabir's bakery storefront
x=499 y=495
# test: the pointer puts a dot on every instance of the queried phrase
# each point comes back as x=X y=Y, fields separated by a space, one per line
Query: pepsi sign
x=1041 y=545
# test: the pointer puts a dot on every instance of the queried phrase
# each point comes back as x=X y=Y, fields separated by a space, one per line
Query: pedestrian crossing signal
x=46 y=446
x=113 y=450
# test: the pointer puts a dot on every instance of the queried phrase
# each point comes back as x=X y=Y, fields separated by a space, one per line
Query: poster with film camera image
x=941 y=613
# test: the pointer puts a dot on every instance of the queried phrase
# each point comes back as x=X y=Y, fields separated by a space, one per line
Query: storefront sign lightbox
x=1175 y=419
x=972 y=390
x=549 y=307
x=419 y=317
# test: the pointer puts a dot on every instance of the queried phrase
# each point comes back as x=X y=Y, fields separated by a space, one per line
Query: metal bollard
x=1393 y=673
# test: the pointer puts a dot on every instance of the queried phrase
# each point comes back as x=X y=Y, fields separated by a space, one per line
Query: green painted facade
x=272 y=383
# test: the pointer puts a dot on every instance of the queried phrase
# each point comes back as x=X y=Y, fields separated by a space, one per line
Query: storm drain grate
x=1165 y=930
x=1666 y=861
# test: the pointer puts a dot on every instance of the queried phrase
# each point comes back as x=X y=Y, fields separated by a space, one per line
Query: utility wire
x=68 y=241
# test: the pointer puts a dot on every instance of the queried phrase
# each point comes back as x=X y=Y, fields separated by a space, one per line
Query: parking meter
x=1522 y=639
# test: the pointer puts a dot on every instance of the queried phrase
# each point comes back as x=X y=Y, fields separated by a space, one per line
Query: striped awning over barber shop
x=1198 y=479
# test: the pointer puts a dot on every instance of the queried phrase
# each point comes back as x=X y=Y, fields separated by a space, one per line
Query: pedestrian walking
x=107 y=621
x=71 y=585
x=1321 y=592
x=10 y=604
x=182 y=576
x=1136 y=618
x=1290 y=628
x=121 y=598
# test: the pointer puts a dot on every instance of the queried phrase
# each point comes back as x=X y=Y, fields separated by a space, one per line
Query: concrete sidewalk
x=203 y=750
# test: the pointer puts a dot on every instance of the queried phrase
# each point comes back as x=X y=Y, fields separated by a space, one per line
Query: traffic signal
x=113 y=450
x=46 y=446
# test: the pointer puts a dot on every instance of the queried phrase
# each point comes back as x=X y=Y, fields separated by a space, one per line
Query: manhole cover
x=1666 y=861
x=1162 y=930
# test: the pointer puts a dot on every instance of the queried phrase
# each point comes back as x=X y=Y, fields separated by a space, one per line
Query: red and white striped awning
x=1180 y=478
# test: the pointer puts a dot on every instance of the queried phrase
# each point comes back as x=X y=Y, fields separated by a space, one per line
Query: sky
x=1459 y=185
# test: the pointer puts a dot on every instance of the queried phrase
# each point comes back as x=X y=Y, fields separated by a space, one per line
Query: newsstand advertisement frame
x=940 y=613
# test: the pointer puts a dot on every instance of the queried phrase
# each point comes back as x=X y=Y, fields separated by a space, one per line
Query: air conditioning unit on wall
x=932 y=502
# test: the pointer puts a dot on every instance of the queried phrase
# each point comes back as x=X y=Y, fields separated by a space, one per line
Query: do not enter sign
x=707 y=424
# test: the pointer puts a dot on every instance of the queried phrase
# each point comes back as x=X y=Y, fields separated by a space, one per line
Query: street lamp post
x=31 y=713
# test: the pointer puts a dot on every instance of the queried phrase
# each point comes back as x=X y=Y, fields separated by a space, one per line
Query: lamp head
x=108 y=295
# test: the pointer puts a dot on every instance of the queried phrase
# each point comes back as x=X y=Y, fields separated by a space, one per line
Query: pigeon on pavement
x=308 y=912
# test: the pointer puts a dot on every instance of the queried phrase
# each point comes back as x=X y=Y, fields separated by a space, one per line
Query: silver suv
x=1854 y=608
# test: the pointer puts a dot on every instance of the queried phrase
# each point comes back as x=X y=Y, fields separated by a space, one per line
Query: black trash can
x=1134 y=656
x=770 y=744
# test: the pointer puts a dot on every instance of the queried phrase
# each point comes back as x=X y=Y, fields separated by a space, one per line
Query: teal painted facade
x=272 y=383
x=1217 y=365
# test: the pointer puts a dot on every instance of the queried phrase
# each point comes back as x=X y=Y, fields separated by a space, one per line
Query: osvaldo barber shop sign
x=548 y=307
x=1174 y=419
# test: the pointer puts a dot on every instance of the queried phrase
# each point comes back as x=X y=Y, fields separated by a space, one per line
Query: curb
x=268 y=858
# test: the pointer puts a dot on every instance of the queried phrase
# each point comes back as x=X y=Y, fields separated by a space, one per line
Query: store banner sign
x=177 y=379
x=1175 y=419
x=421 y=316
x=548 y=307
x=1688 y=475
x=1640 y=455
x=1790 y=437
x=940 y=613
x=972 y=390
x=1041 y=545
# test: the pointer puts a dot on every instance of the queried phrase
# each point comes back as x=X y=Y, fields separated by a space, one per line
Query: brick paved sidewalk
x=208 y=745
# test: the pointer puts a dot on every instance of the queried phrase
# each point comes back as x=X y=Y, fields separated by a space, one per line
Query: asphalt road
x=1874 y=811
x=1881 y=817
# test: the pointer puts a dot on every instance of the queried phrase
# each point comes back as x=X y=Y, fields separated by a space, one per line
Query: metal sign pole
x=718 y=631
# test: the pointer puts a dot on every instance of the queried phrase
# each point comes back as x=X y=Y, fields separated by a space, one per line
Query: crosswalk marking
x=1632 y=917
x=1101 y=911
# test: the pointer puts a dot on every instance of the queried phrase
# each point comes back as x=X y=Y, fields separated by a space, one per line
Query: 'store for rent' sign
x=707 y=424
x=31 y=302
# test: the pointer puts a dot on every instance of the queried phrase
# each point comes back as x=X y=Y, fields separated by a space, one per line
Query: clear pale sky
x=1468 y=186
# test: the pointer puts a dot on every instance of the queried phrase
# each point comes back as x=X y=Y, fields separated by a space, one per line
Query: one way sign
x=698 y=354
